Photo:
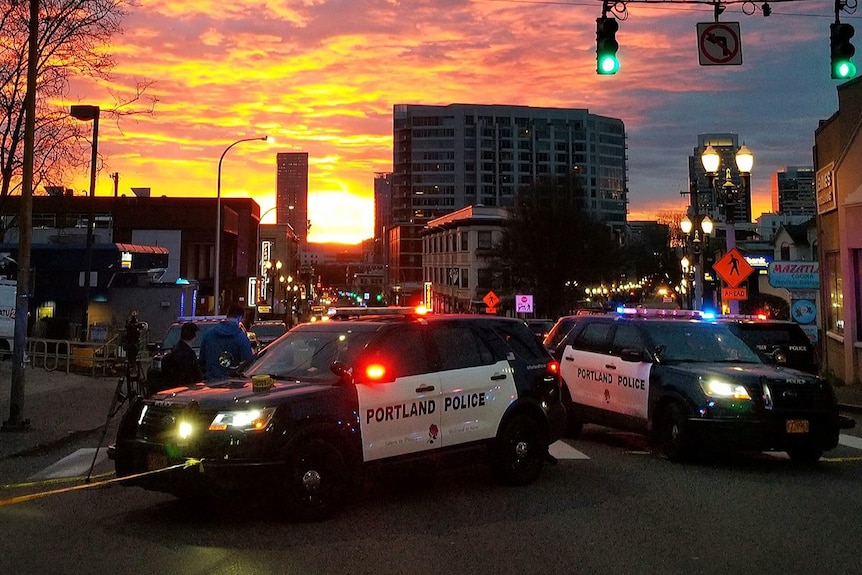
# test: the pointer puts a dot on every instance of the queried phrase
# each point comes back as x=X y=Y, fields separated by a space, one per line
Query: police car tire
x=319 y=478
x=805 y=454
x=518 y=452
x=673 y=433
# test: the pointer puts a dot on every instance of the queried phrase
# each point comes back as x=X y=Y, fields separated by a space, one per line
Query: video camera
x=132 y=337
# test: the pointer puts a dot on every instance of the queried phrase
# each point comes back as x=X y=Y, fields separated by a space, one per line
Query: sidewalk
x=58 y=406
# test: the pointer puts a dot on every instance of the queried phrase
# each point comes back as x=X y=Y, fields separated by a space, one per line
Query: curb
x=850 y=407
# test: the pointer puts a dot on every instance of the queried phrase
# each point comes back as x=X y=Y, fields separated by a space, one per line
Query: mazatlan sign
x=794 y=275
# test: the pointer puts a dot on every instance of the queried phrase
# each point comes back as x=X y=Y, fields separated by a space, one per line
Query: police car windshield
x=308 y=354
x=691 y=341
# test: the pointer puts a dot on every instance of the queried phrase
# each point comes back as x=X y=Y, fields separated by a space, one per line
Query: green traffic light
x=608 y=64
x=844 y=69
x=607 y=46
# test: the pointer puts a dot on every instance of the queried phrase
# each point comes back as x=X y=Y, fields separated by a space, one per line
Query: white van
x=8 y=290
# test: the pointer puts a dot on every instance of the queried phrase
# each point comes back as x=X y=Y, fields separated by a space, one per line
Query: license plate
x=797 y=426
x=156 y=461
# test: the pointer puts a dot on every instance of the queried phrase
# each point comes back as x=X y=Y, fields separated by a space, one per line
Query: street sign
x=491 y=299
x=524 y=303
x=795 y=275
x=728 y=293
x=732 y=268
x=719 y=44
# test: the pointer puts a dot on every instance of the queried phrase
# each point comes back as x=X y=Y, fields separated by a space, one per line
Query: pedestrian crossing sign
x=733 y=268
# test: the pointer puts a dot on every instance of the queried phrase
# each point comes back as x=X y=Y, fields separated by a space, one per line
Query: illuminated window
x=835 y=313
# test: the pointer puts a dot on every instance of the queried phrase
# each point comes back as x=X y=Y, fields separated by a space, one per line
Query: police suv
x=329 y=399
x=689 y=383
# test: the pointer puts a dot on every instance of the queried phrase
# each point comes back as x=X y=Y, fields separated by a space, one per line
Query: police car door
x=583 y=363
x=476 y=389
x=628 y=394
x=398 y=395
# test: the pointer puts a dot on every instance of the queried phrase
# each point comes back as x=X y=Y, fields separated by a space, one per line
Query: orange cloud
x=323 y=77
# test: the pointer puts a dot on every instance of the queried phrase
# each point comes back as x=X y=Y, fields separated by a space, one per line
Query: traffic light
x=606 y=46
x=842 y=51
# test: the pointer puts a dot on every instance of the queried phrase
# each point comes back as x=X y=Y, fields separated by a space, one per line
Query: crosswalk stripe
x=73 y=465
x=850 y=441
x=562 y=450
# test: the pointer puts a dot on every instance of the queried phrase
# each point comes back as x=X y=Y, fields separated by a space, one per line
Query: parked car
x=540 y=327
x=330 y=399
x=776 y=341
x=155 y=380
x=267 y=331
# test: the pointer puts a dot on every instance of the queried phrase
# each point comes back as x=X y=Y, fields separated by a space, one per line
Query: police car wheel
x=805 y=454
x=318 y=480
x=673 y=433
x=519 y=451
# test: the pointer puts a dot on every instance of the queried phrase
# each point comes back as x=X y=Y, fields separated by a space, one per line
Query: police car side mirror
x=342 y=370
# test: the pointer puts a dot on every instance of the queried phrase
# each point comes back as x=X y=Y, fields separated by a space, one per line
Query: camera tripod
x=131 y=386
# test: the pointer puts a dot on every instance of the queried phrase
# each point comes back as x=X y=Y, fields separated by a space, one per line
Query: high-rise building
x=291 y=192
x=793 y=191
x=382 y=203
x=705 y=198
x=449 y=157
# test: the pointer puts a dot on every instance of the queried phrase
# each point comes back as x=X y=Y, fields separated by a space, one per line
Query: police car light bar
x=654 y=312
x=346 y=312
x=760 y=316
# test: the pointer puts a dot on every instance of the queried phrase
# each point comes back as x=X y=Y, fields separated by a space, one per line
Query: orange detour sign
x=733 y=268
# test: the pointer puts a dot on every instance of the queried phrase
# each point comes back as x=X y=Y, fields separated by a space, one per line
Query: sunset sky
x=322 y=76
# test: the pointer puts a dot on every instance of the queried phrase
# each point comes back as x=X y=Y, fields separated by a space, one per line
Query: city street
x=608 y=506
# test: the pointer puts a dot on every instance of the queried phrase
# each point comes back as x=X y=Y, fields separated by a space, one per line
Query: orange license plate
x=156 y=461
x=797 y=426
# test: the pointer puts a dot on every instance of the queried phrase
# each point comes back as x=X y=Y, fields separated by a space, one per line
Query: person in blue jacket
x=225 y=346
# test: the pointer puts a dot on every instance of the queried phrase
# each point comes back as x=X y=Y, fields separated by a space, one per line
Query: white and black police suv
x=691 y=383
x=330 y=399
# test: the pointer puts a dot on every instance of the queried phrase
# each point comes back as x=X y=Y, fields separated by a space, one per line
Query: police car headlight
x=723 y=389
x=185 y=430
x=244 y=420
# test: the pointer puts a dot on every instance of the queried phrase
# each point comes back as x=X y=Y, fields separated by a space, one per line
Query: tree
x=72 y=34
x=552 y=248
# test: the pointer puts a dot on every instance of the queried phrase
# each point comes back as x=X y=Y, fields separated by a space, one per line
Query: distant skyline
x=323 y=76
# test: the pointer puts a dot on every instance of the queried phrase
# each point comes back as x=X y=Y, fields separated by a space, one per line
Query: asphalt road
x=608 y=506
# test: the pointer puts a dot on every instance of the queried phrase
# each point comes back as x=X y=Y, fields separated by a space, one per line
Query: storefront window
x=857 y=265
x=835 y=313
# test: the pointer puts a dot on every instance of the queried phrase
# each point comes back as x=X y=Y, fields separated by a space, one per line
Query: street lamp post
x=217 y=275
x=728 y=194
x=272 y=272
x=687 y=275
x=89 y=113
x=697 y=231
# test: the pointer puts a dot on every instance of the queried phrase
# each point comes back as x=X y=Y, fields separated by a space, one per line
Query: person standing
x=225 y=346
x=180 y=366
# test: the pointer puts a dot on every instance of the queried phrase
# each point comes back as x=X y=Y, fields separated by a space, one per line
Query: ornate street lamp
x=687 y=275
x=729 y=193
x=697 y=234
x=217 y=275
